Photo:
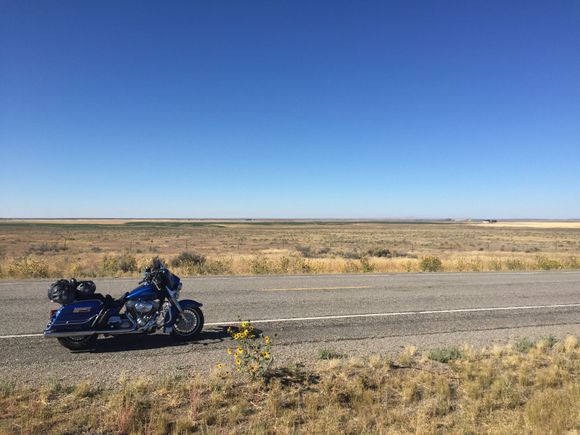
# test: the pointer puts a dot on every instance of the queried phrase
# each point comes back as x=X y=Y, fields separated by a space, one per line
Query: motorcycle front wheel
x=78 y=343
x=187 y=327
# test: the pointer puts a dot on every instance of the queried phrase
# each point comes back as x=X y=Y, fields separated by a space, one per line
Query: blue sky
x=336 y=109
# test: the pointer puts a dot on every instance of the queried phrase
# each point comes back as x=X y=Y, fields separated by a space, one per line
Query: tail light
x=53 y=312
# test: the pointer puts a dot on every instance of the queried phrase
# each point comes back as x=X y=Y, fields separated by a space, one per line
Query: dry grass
x=536 y=224
x=498 y=390
x=111 y=248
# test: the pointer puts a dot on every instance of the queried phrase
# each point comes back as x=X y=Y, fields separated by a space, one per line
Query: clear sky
x=338 y=109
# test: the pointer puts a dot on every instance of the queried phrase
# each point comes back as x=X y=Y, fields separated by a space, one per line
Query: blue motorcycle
x=153 y=306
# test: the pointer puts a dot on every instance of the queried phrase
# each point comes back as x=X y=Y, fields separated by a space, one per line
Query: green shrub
x=7 y=388
x=306 y=251
x=326 y=354
x=293 y=264
x=476 y=265
x=188 y=260
x=366 y=265
x=301 y=265
x=515 y=264
x=380 y=252
x=461 y=264
x=550 y=340
x=44 y=248
x=110 y=265
x=28 y=267
x=259 y=265
x=284 y=264
x=546 y=263
x=523 y=344
x=127 y=263
x=216 y=267
x=431 y=263
x=496 y=264
x=572 y=263
x=445 y=354
x=351 y=266
x=350 y=255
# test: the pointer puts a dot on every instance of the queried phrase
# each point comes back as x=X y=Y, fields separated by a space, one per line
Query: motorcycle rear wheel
x=78 y=343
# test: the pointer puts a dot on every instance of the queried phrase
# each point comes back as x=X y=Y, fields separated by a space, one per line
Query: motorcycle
x=153 y=306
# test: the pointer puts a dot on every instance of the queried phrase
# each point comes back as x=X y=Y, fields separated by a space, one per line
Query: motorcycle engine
x=142 y=310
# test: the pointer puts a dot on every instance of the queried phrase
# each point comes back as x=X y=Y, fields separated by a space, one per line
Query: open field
x=114 y=248
x=535 y=224
x=525 y=387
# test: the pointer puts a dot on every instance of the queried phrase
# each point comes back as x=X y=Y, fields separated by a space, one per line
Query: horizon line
x=358 y=219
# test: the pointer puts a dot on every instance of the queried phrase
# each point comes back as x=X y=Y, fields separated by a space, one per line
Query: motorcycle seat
x=107 y=300
x=111 y=302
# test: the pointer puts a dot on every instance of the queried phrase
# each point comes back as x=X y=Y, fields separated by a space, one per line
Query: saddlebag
x=80 y=316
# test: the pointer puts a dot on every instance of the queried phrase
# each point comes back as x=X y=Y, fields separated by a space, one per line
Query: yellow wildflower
x=238 y=361
x=244 y=324
x=240 y=350
x=267 y=340
x=266 y=355
x=219 y=366
x=229 y=351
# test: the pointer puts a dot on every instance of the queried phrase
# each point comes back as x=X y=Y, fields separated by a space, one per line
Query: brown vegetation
x=91 y=249
x=530 y=387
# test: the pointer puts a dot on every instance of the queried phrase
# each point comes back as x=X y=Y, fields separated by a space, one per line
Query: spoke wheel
x=189 y=325
x=79 y=342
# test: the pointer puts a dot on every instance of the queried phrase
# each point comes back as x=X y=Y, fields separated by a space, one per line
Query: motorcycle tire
x=78 y=343
x=188 y=331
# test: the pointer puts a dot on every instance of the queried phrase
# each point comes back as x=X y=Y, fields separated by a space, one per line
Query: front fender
x=184 y=303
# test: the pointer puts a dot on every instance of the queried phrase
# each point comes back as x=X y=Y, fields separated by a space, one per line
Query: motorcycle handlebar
x=151 y=273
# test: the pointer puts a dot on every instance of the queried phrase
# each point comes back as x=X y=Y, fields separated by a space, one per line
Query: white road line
x=402 y=313
x=359 y=316
x=353 y=287
x=20 y=335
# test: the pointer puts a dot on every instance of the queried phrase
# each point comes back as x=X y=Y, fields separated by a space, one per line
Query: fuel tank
x=145 y=291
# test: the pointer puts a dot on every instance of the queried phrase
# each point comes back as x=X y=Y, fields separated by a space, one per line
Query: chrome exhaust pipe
x=49 y=334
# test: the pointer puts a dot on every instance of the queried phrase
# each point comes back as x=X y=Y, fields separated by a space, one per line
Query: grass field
x=526 y=387
x=94 y=248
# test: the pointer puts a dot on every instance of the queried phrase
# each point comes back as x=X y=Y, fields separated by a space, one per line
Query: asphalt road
x=352 y=314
